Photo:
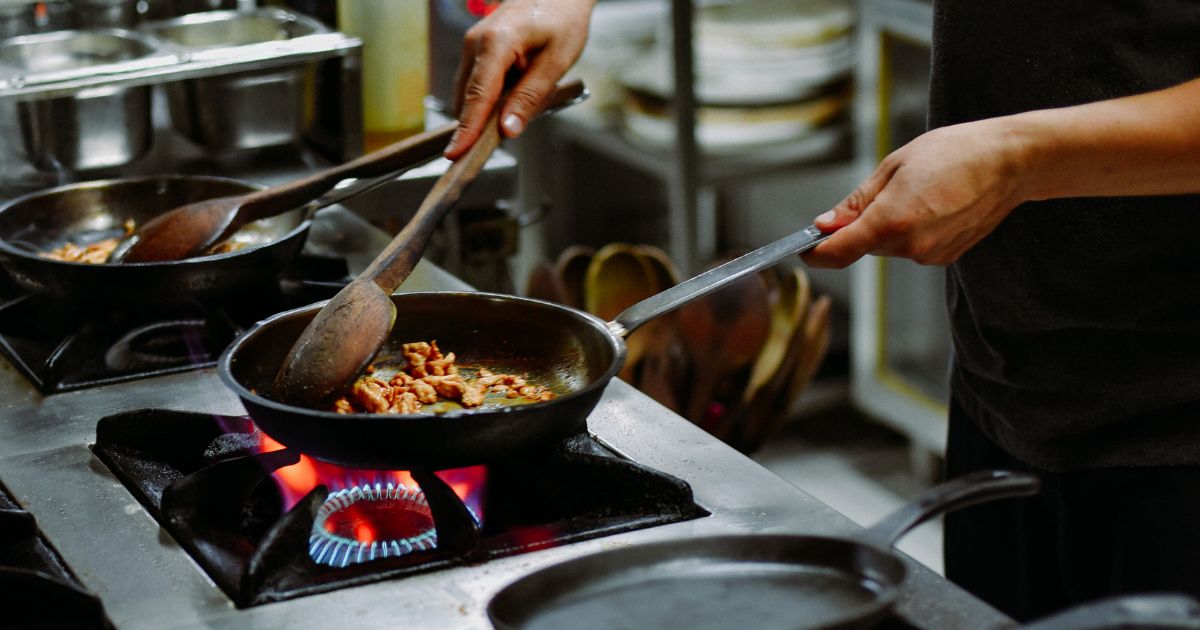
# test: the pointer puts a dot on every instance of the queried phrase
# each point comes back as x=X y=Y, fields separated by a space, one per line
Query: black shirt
x=1076 y=323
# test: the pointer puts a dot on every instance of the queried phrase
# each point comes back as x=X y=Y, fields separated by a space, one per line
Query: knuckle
x=494 y=37
x=857 y=201
x=527 y=98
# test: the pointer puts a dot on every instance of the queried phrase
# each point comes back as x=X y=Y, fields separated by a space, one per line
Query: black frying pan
x=571 y=351
x=754 y=581
x=88 y=212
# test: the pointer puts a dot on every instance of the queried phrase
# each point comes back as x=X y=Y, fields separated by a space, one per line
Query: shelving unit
x=687 y=181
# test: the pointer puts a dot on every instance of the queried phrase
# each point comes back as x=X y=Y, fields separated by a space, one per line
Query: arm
x=540 y=39
x=936 y=197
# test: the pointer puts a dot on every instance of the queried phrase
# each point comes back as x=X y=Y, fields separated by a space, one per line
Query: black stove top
x=270 y=525
x=41 y=590
x=61 y=347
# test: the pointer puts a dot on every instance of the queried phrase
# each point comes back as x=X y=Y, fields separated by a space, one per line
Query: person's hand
x=930 y=200
x=537 y=39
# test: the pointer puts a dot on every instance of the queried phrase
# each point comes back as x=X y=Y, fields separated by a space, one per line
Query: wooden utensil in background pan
x=194 y=228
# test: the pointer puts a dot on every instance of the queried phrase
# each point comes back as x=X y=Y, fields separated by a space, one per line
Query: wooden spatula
x=349 y=330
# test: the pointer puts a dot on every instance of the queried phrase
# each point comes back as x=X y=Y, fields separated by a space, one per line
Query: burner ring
x=346 y=527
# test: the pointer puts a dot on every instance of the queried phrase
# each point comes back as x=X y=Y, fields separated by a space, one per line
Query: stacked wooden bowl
x=733 y=362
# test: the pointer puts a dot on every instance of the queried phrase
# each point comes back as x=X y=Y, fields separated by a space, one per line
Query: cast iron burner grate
x=33 y=574
x=207 y=481
x=63 y=348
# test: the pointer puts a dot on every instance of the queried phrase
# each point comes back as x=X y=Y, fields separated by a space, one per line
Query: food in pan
x=99 y=252
x=95 y=254
x=430 y=377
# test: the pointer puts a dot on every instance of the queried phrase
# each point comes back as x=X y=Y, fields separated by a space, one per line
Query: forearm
x=1148 y=144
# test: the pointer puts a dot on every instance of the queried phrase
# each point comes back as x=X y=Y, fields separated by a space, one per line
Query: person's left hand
x=539 y=39
x=930 y=200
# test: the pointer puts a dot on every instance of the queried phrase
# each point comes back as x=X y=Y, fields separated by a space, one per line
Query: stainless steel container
x=99 y=127
x=17 y=18
x=105 y=13
x=244 y=110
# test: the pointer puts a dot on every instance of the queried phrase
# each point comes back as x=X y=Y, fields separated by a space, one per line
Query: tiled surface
x=857 y=467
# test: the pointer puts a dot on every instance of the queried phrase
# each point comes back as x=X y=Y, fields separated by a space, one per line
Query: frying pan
x=571 y=351
x=88 y=212
x=759 y=581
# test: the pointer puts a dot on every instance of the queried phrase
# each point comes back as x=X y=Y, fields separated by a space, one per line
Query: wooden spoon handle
x=406 y=153
x=396 y=261
x=402 y=155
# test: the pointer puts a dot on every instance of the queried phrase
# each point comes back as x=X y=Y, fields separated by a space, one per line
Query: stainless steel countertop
x=146 y=580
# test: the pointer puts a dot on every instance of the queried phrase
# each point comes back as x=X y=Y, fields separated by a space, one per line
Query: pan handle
x=1159 y=611
x=972 y=488
x=665 y=302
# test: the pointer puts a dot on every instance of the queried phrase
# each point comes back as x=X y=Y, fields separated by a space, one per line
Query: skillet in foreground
x=759 y=581
x=87 y=212
x=568 y=350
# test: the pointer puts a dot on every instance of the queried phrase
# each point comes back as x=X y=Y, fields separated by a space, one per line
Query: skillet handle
x=1165 y=611
x=665 y=302
x=976 y=487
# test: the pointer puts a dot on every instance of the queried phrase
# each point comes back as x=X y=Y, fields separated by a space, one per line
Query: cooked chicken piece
x=427 y=377
x=473 y=395
x=372 y=394
x=441 y=367
x=406 y=403
x=424 y=391
x=447 y=386
x=94 y=254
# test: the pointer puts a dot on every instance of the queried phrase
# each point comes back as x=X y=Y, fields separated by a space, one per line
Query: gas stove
x=159 y=500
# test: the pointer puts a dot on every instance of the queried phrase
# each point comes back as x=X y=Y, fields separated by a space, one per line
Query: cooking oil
x=395 y=65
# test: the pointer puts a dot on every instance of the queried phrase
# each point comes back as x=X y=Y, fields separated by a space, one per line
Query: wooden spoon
x=661 y=371
x=760 y=412
x=348 y=331
x=617 y=278
x=723 y=332
x=195 y=228
x=542 y=283
x=817 y=335
x=787 y=319
x=571 y=268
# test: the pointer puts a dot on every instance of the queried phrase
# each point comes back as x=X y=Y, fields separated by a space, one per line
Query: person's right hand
x=930 y=200
x=539 y=39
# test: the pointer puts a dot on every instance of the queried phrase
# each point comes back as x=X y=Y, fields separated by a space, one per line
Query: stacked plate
x=767 y=72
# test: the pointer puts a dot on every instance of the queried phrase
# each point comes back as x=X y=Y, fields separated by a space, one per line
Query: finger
x=844 y=247
x=463 y=73
x=479 y=94
x=853 y=205
x=527 y=96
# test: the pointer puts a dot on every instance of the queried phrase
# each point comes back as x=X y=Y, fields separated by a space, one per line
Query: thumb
x=853 y=205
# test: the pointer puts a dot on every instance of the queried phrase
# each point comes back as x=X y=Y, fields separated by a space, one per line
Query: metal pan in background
x=759 y=581
x=88 y=212
x=571 y=351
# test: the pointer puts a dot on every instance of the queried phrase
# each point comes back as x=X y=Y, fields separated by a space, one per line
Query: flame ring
x=339 y=551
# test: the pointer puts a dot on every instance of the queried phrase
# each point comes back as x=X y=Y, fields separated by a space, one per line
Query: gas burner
x=362 y=523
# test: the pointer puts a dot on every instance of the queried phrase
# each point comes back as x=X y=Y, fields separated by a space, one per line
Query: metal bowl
x=99 y=127
x=244 y=110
